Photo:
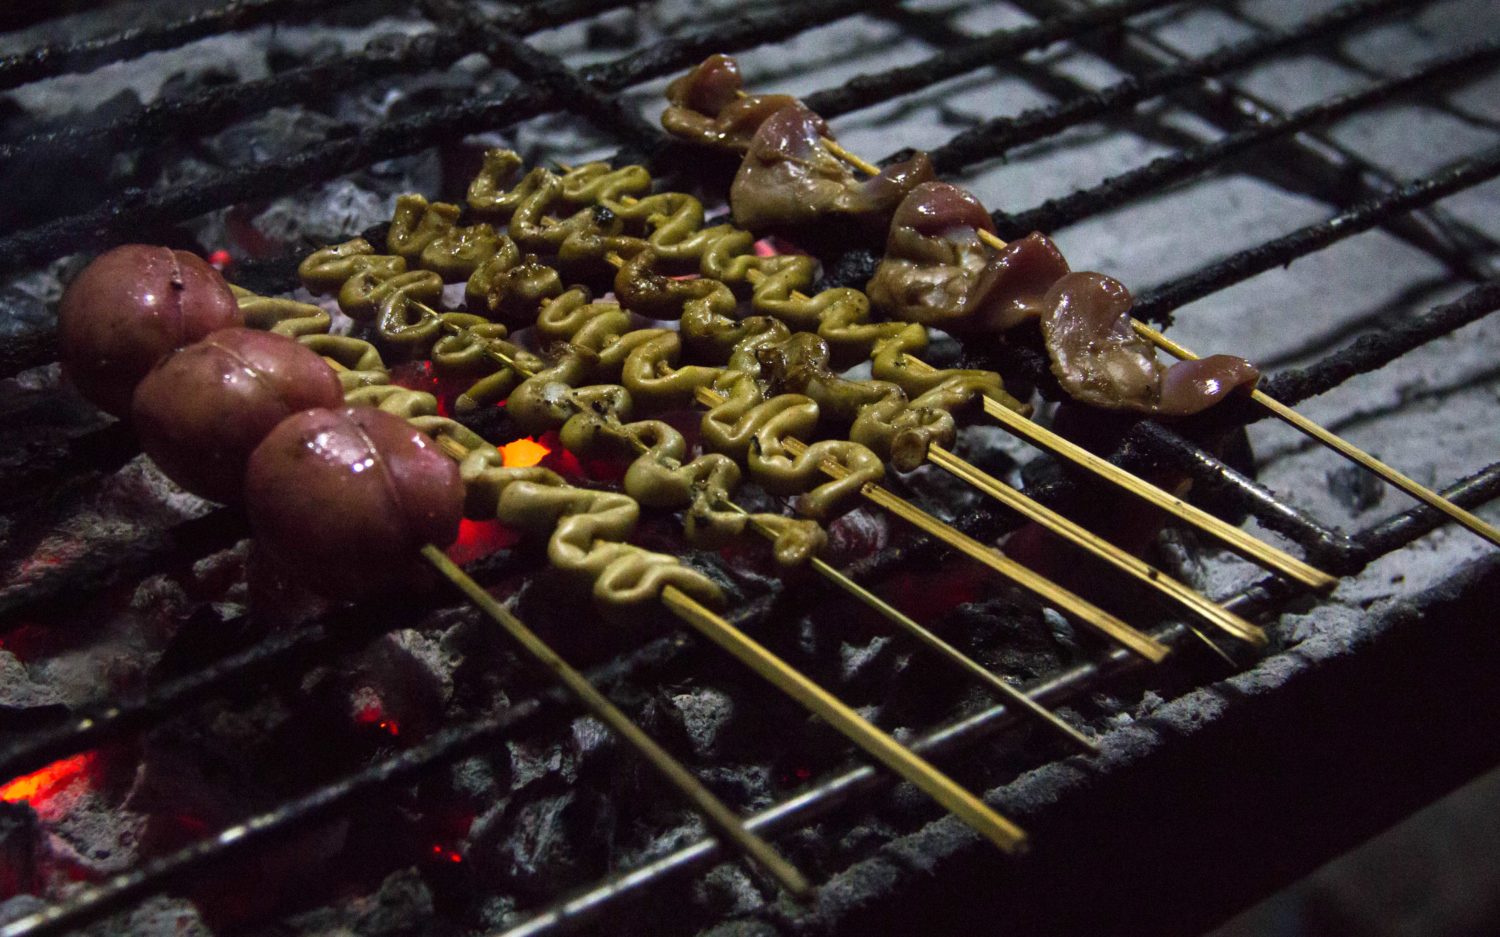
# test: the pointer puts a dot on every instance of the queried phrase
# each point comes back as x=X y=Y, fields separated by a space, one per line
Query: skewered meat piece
x=938 y=272
x=1099 y=359
x=130 y=307
x=790 y=178
x=707 y=106
x=202 y=411
x=343 y=499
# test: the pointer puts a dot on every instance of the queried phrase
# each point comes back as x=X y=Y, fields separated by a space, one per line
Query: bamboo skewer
x=1086 y=612
x=1240 y=541
x=1340 y=445
x=719 y=816
x=1024 y=704
x=1081 y=536
x=888 y=751
x=904 y=762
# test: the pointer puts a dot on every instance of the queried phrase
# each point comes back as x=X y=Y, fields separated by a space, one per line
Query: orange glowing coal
x=523 y=453
x=44 y=783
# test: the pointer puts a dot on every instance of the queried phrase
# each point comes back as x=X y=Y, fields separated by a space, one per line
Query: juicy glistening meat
x=707 y=106
x=938 y=272
x=790 y=178
x=1099 y=359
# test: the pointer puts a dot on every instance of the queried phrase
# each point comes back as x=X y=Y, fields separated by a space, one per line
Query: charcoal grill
x=1114 y=126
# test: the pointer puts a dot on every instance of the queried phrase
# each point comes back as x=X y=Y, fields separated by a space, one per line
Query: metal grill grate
x=597 y=94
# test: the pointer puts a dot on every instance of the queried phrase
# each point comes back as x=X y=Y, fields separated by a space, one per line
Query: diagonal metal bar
x=217 y=106
x=1375 y=350
x=52 y=60
x=1158 y=304
x=1165 y=170
x=869 y=89
x=993 y=138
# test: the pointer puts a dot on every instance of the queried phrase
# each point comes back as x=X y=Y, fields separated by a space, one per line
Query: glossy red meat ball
x=343 y=499
x=202 y=411
x=130 y=307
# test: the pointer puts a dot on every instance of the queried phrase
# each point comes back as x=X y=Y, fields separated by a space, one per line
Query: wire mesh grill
x=599 y=94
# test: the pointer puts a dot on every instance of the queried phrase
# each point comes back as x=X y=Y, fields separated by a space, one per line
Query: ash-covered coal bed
x=117 y=584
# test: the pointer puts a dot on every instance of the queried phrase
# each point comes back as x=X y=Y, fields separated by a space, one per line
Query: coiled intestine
x=585 y=525
x=898 y=414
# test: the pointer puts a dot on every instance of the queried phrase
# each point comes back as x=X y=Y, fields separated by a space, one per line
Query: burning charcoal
x=159 y=916
x=18 y=849
x=541 y=846
x=704 y=713
x=726 y=890
x=861 y=662
x=402 y=907
x=17 y=689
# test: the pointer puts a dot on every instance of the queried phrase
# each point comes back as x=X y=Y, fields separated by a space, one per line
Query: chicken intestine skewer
x=597 y=179
x=588 y=527
x=656 y=476
x=1004 y=411
x=580 y=521
x=542 y=396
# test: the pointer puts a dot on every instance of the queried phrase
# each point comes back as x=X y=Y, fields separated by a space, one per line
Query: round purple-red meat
x=130 y=307
x=343 y=499
x=202 y=411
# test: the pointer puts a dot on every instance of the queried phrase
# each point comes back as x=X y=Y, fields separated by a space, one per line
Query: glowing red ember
x=49 y=781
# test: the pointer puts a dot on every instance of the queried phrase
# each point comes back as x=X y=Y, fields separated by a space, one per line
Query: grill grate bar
x=1158 y=304
x=994 y=138
x=731 y=34
x=1314 y=162
x=19 y=14
x=1176 y=167
x=53 y=60
x=215 y=107
x=1377 y=349
x=1322 y=543
x=555 y=79
x=1366 y=547
x=126 y=213
x=136 y=209
x=869 y=89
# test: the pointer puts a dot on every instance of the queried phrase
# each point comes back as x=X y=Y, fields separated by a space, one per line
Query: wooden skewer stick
x=909 y=765
x=1235 y=538
x=718 y=815
x=1014 y=697
x=1296 y=420
x=1338 y=444
x=1088 y=613
x=1188 y=598
x=1024 y=704
x=1081 y=536
x=941 y=788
